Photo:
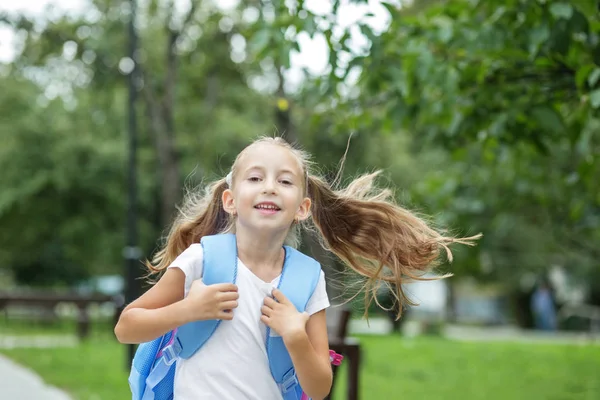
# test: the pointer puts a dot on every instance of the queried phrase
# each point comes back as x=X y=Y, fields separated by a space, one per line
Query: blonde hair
x=360 y=224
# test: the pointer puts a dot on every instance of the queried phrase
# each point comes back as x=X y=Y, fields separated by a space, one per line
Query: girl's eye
x=286 y=182
x=254 y=179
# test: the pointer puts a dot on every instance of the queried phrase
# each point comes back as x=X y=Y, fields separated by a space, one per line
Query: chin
x=270 y=225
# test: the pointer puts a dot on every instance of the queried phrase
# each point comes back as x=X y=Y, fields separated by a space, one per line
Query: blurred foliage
x=501 y=100
x=484 y=114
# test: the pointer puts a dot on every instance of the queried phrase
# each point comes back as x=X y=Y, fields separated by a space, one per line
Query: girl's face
x=268 y=189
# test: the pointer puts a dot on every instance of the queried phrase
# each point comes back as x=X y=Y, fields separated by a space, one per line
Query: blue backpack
x=153 y=368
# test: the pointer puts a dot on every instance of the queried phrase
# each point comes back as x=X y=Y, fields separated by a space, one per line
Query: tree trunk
x=171 y=185
x=162 y=117
x=168 y=164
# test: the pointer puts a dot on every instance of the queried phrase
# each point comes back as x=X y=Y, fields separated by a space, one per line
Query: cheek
x=296 y=198
x=243 y=196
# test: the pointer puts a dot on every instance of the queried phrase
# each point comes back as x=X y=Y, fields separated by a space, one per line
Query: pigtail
x=201 y=214
x=376 y=238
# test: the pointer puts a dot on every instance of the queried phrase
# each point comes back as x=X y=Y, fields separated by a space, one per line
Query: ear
x=304 y=209
x=228 y=202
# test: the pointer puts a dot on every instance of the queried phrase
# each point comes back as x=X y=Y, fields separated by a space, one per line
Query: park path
x=382 y=326
x=20 y=383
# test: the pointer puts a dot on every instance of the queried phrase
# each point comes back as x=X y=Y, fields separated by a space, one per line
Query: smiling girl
x=268 y=193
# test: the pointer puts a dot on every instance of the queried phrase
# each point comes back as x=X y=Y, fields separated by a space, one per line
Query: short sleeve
x=319 y=299
x=190 y=262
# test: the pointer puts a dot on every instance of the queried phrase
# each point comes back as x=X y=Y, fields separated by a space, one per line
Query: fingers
x=278 y=294
x=229 y=305
x=225 y=287
x=266 y=311
x=270 y=302
x=228 y=296
x=265 y=320
x=224 y=315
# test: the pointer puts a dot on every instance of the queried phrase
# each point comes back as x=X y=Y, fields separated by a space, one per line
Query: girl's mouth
x=267 y=208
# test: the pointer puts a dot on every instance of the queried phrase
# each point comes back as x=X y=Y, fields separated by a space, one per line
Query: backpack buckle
x=289 y=381
x=170 y=353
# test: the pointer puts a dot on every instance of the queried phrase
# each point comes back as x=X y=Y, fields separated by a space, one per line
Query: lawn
x=394 y=368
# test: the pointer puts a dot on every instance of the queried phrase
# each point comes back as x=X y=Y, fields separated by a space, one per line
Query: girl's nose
x=268 y=186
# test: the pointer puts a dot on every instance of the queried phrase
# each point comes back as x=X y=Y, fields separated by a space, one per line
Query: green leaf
x=296 y=46
x=595 y=98
x=561 y=38
x=310 y=26
x=455 y=124
x=284 y=56
x=576 y=210
x=587 y=7
x=579 y=23
x=561 y=10
x=259 y=40
x=538 y=36
x=444 y=24
x=582 y=75
x=548 y=119
x=367 y=31
x=593 y=77
x=392 y=9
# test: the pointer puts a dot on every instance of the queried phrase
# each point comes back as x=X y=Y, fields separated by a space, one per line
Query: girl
x=268 y=192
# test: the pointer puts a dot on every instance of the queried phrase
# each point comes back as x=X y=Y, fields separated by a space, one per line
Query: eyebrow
x=281 y=171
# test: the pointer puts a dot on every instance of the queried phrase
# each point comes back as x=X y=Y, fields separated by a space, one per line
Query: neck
x=260 y=251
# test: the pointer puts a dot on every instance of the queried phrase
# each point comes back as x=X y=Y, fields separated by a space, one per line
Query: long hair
x=361 y=224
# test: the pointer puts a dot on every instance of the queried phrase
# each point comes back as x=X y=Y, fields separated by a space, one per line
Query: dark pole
x=132 y=252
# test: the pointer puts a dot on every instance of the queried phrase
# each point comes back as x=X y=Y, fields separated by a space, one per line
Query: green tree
x=63 y=180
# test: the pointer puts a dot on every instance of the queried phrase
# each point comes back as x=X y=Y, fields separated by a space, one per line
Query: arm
x=309 y=351
x=164 y=308
x=156 y=312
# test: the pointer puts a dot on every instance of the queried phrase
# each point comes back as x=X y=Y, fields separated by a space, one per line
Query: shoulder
x=190 y=261
x=319 y=300
x=193 y=252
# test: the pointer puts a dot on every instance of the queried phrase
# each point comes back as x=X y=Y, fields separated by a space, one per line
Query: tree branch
x=189 y=16
x=176 y=33
x=152 y=105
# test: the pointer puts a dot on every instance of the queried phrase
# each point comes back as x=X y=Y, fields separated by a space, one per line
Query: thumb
x=280 y=297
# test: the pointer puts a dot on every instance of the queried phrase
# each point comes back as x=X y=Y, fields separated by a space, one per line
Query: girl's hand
x=211 y=302
x=281 y=315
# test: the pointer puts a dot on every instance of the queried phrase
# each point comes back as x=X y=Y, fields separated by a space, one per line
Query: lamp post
x=131 y=252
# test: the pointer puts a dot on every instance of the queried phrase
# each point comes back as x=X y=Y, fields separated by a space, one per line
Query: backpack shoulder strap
x=219 y=266
x=298 y=282
x=299 y=277
x=219 y=259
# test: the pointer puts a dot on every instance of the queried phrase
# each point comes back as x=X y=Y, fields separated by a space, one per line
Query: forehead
x=271 y=156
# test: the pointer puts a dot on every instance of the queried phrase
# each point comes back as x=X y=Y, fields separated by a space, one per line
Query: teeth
x=267 y=207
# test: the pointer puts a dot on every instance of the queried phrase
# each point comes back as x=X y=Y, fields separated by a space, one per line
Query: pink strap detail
x=170 y=342
x=304 y=396
x=335 y=358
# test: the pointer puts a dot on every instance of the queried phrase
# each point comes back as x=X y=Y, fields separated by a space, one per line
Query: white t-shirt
x=233 y=364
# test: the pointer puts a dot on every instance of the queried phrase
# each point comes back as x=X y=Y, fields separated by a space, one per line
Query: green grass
x=393 y=368
x=60 y=327
x=429 y=368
